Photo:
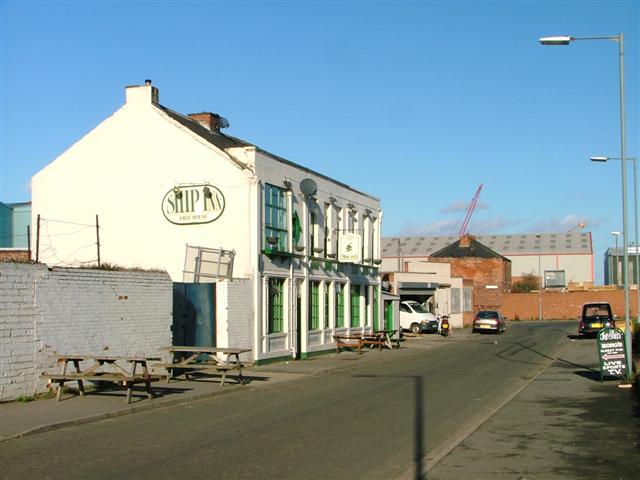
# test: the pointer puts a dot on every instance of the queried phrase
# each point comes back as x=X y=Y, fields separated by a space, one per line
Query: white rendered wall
x=121 y=171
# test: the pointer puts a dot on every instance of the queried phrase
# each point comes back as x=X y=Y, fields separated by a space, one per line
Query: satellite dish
x=308 y=187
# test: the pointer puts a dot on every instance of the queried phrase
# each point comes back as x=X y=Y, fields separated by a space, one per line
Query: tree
x=528 y=283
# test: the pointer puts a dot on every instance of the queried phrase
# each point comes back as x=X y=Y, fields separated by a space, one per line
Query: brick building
x=487 y=272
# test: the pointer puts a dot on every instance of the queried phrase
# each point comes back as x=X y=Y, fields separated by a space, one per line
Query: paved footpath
x=26 y=418
x=564 y=425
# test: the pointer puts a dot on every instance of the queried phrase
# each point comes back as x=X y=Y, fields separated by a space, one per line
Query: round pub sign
x=193 y=204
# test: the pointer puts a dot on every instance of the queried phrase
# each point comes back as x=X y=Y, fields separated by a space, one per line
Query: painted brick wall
x=47 y=312
x=234 y=315
x=564 y=305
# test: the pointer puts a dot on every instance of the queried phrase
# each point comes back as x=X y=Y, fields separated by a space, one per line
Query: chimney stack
x=465 y=240
x=211 y=121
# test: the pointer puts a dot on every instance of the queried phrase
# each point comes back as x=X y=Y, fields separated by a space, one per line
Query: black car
x=595 y=317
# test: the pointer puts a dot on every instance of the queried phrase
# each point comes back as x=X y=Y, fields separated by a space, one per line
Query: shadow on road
x=419 y=442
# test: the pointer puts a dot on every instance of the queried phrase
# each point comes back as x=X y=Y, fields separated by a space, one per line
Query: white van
x=416 y=318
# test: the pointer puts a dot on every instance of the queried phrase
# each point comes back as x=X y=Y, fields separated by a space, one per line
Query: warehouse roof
x=504 y=244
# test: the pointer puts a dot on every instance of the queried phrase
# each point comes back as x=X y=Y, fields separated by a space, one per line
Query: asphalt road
x=382 y=420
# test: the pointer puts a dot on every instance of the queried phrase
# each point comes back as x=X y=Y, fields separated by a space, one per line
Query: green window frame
x=355 y=305
x=376 y=318
x=275 y=314
x=275 y=218
x=326 y=305
x=365 y=293
x=339 y=305
x=314 y=305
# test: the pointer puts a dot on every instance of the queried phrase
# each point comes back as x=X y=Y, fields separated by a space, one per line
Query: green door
x=388 y=315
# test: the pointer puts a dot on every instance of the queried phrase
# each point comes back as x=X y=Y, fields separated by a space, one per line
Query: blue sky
x=417 y=103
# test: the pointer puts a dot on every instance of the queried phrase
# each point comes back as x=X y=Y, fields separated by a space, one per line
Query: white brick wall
x=234 y=315
x=44 y=313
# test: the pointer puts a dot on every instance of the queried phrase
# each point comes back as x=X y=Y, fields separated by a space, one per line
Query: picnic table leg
x=129 y=386
x=240 y=377
x=61 y=382
x=59 y=390
x=147 y=379
x=76 y=364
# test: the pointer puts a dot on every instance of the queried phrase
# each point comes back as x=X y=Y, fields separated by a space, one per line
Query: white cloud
x=462 y=207
x=565 y=223
x=441 y=227
x=492 y=225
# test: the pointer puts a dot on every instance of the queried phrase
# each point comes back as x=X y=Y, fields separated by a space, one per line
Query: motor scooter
x=444 y=326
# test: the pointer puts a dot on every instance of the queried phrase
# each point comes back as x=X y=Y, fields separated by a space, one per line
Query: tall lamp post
x=539 y=280
x=636 y=264
x=617 y=260
x=566 y=40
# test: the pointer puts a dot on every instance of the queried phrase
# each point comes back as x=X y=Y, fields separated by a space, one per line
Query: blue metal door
x=194 y=314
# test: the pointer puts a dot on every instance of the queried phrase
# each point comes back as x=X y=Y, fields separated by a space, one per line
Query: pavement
x=566 y=424
x=21 y=418
x=556 y=427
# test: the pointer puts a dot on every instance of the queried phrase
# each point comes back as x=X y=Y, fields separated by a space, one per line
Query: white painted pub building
x=162 y=183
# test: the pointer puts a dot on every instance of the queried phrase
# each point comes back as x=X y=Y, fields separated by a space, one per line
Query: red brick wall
x=19 y=256
x=483 y=272
x=563 y=305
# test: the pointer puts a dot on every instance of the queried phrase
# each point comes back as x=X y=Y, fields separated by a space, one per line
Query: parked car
x=489 y=321
x=415 y=317
x=595 y=317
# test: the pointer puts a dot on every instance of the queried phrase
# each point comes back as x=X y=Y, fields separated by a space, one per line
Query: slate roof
x=475 y=249
x=223 y=142
x=504 y=244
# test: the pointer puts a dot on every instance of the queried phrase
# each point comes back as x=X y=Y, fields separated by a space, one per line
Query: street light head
x=599 y=159
x=555 y=40
x=616 y=233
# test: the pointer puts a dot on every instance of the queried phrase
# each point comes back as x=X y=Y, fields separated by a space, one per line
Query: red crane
x=470 y=209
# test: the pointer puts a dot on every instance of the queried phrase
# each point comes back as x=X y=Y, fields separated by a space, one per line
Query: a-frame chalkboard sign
x=612 y=353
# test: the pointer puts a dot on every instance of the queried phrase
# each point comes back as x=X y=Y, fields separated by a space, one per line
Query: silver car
x=489 y=321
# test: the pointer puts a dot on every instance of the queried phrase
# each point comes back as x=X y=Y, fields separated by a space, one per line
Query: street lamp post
x=539 y=281
x=566 y=40
x=617 y=260
x=636 y=263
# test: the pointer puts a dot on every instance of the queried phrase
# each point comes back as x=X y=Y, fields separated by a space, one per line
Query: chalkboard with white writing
x=612 y=353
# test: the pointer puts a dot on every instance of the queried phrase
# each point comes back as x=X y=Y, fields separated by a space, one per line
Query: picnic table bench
x=96 y=372
x=379 y=338
x=348 y=341
x=189 y=358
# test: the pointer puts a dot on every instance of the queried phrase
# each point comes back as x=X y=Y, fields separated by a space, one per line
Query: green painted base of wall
x=305 y=355
x=288 y=358
x=267 y=361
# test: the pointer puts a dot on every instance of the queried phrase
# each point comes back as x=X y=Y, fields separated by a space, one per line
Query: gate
x=194 y=314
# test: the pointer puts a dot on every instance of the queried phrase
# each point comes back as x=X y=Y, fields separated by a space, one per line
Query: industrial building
x=560 y=258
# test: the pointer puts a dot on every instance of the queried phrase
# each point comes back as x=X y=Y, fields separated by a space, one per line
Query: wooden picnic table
x=188 y=358
x=104 y=368
x=390 y=336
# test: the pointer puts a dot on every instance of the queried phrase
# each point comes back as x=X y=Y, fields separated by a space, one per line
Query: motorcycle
x=444 y=326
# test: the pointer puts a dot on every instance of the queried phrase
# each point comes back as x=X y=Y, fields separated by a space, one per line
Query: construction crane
x=470 y=209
